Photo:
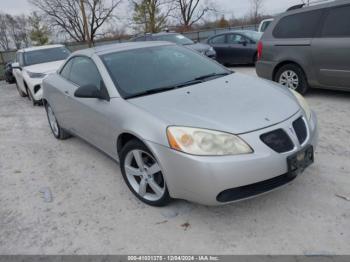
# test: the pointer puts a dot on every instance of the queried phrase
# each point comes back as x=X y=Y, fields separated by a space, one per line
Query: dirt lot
x=93 y=212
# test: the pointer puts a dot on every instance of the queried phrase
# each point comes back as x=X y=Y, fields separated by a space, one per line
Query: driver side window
x=82 y=71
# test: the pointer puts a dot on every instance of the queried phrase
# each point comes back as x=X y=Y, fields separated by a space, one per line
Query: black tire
x=20 y=92
x=31 y=97
x=302 y=86
x=138 y=145
x=59 y=133
x=255 y=58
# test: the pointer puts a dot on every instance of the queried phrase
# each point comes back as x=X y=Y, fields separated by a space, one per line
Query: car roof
x=119 y=47
x=316 y=7
x=35 y=48
x=234 y=31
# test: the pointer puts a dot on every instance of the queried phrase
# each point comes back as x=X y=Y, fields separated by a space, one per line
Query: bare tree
x=256 y=10
x=192 y=11
x=4 y=37
x=151 y=15
x=66 y=15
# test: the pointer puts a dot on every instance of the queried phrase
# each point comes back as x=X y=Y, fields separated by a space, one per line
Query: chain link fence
x=198 y=36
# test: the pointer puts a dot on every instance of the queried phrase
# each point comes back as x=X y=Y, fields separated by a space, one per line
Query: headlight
x=302 y=102
x=210 y=50
x=36 y=75
x=205 y=142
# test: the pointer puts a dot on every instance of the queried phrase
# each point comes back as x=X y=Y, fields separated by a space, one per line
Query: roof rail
x=294 y=7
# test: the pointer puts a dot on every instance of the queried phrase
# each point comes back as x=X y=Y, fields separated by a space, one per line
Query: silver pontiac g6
x=181 y=125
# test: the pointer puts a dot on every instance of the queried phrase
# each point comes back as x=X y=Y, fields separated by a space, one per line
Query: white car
x=264 y=24
x=33 y=64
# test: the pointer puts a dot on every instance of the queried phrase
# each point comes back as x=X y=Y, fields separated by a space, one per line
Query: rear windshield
x=45 y=55
x=302 y=25
x=142 y=70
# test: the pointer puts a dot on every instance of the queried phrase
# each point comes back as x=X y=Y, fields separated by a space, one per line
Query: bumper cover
x=201 y=179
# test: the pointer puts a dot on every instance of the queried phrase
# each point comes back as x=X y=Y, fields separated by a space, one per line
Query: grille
x=300 y=130
x=235 y=194
x=278 y=140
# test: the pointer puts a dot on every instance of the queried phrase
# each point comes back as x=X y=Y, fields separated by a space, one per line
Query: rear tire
x=57 y=131
x=293 y=77
x=142 y=174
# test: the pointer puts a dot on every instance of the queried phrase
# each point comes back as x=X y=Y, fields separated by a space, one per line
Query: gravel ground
x=92 y=211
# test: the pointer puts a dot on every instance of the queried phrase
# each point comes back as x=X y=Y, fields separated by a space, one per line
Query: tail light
x=260 y=49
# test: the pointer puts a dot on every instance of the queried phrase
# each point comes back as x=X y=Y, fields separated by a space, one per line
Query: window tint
x=218 y=40
x=84 y=72
x=303 y=25
x=234 y=39
x=337 y=23
x=65 y=72
x=45 y=55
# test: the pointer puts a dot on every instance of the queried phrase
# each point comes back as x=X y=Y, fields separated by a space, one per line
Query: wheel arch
x=287 y=62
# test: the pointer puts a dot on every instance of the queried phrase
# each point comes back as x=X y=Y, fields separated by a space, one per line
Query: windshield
x=253 y=35
x=174 y=38
x=145 y=70
x=45 y=55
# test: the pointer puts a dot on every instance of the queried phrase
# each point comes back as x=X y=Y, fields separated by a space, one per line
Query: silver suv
x=308 y=47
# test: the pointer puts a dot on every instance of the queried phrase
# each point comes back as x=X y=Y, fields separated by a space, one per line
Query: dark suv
x=308 y=47
x=180 y=40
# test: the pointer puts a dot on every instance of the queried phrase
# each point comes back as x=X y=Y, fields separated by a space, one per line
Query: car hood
x=236 y=103
x=45 y=68
x=199 y=47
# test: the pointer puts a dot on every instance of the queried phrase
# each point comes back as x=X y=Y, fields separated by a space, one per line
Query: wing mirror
x=91 y=91
x=16 y=66
x=243 y=42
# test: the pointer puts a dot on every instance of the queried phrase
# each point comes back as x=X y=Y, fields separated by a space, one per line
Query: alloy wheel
x=144 y=175
x=289 y=79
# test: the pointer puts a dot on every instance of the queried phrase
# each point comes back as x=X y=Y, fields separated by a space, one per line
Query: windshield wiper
x=164 y=89
x=212 y=75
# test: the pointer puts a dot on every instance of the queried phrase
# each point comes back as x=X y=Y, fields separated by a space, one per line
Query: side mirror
x=16 y=66
x=243 y=42
x=91 y=91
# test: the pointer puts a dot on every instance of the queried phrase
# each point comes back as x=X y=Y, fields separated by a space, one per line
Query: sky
x=238 y=8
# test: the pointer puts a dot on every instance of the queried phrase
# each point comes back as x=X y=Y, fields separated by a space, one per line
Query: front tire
x=293 y=77
x=20 y=92
x=143 y=174
x=57 y=131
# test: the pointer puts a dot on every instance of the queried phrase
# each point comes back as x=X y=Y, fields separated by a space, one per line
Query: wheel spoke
x=156 y=188
x=138 y=158
x=132 y=171
x=142 y=187
x=154 y=169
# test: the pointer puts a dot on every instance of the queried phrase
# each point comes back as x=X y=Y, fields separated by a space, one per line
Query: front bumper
x=35 y=86
x=201 y=179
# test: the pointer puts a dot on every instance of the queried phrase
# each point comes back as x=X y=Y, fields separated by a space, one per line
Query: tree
x=13 y=30
x=66 y=15
x=223 y=23
x=4 y=37
x=256 y=6
x=39 y=33
x=192 y=11
x=151 y=15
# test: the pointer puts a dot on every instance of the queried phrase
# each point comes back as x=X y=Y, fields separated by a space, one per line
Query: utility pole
x=87 y=35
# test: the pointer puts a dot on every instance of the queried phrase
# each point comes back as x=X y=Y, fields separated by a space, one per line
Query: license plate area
x=300 y=160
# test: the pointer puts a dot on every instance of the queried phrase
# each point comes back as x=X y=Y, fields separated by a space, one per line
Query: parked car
x=33 y=64
x=181 y=125
x=308 y=47
x=9 y=78
x=180 y=40
x=264 y=24
x=235 y=47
